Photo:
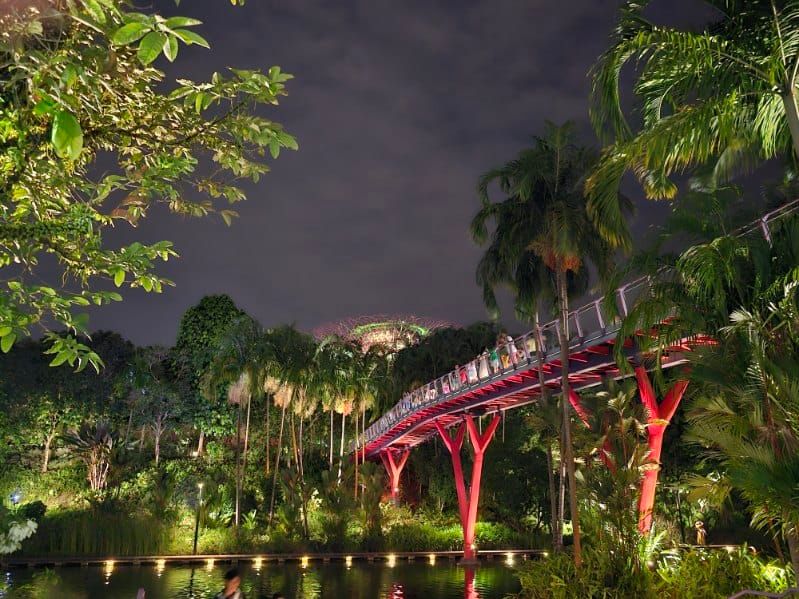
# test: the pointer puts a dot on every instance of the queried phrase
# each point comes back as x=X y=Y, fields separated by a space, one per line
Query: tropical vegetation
x=241 y=433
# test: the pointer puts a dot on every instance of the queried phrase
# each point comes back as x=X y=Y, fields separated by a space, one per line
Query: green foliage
x=718 y=574
x=35 y=510
x=91 y=90
x=337 y=505
x=373 y=484
x=697 y=574
x=541 y=226
x=97 y=532
x=723 y=96
x=422 y=535
x=14 y=529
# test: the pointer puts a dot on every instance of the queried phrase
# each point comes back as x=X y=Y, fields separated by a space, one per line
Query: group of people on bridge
x=506 y=355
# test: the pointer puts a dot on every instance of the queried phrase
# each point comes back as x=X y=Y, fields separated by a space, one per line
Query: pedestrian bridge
x=479 y=389
x=516 y=373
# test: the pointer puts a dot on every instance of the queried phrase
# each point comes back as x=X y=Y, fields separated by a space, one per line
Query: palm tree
x=748 y=418
x=94 y=444
x=547 y=419
x=725 y=95
x=370 y=383
x=241 y=361
x=287 y=377
x=741 y=290
x=550 y=235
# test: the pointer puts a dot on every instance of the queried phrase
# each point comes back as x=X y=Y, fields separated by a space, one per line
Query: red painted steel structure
x=394 y=461
x=481 y=389
x=468 y=500
x=658 y=418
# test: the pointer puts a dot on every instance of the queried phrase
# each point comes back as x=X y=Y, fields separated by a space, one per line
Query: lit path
x=479 y=389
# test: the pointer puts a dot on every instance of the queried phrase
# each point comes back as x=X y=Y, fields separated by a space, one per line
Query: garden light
x=304 y=561
x=209 y=564
x=259 y=561
x=392 y=560
x=432 y=559
x=159 y=566
x=509 y=558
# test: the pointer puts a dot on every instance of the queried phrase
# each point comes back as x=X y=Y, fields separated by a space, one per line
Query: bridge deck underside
x=518 y=386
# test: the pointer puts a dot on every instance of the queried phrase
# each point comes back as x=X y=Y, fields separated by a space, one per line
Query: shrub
x=708 y=574
x=34 y=510
x=96 y=532
x=699 y=574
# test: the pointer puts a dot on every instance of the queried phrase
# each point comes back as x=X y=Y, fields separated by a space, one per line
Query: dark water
x=415 y=580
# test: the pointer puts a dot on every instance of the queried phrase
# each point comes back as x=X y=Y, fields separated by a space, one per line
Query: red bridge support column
x=394 y=461
x=468 y=501
x=658 y=418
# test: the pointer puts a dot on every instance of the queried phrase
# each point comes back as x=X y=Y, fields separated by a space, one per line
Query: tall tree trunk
x=268 y=435
x=341 y=449
x=302 y=445
x=246 y=437
x=556 y=506
x=554 y=522
x=294 y=451
x=566 y=446
x=355 y=478
x=277 y=465
x=561 y=495
x=363 y=448
x=157 y=438
x=200 y=443
x=238 y=467
x=332 y=426
x=48 y=441
x=141 y=438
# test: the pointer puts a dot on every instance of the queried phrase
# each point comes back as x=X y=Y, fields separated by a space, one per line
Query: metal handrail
x=519 y=353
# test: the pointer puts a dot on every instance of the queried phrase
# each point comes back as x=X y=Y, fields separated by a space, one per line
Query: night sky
x=398 y=107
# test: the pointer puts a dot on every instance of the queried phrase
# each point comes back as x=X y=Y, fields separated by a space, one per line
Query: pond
x=414 y=580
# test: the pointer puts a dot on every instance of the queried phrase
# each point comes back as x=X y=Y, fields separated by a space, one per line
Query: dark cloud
x=398 y=106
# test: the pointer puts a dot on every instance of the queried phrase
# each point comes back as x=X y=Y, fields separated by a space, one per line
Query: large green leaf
x=173 y=22
x=6 y=342
x=130 y=33
x=150 y=46
x=67 y=136
x=189 y=37
x=171 y=48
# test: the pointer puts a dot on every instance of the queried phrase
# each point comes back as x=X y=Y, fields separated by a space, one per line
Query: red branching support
x=468 y=501
x=394 y=462
x=658 y=418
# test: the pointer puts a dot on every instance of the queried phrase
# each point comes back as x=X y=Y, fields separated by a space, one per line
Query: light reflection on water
x=318 y=581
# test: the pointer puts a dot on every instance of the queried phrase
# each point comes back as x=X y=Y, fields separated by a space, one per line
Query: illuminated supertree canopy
x=392 y=332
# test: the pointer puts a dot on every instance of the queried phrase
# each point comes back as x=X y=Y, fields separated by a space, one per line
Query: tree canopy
x=92 y=136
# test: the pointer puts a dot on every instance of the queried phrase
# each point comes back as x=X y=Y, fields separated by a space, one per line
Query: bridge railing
x=587 y=323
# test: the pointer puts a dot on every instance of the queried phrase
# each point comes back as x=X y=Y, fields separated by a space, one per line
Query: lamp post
x=197 y=516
